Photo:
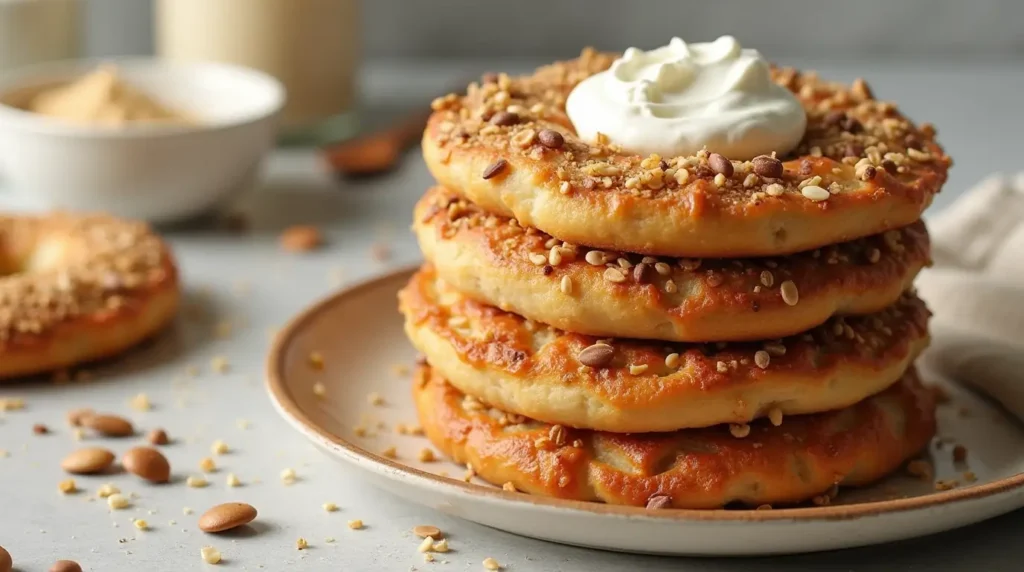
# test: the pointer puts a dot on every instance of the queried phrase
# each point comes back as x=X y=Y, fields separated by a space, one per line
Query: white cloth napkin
x=976 y=290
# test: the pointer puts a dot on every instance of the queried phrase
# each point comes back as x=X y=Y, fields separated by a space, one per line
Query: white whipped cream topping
x=679 y=98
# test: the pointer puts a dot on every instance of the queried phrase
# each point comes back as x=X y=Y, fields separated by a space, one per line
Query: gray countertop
x=247 y=281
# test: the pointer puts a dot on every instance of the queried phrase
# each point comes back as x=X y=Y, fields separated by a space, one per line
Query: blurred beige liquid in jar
x=311 y=46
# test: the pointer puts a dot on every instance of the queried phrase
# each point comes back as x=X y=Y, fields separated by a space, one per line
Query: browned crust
x=697 y=468
x=497 y=261
x=534 y=370
x=596 y=195
x=80 y=288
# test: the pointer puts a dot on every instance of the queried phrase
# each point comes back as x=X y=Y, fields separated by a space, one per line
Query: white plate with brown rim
x=359 y=334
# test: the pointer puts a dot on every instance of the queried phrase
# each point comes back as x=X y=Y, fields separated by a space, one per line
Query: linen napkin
x=976 y=290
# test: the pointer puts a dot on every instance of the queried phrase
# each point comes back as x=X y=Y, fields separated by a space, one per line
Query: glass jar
x=311 y=46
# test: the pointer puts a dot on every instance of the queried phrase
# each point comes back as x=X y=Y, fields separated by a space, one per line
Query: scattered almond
x=40 y=429
x=424 y=530
x=87 y=461
x=158 y=437
x=226 y=516
x=301 y=238
x=62 y=566
x=148 y=463
x=109 y=425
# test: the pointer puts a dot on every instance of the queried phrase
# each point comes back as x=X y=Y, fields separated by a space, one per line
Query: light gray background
x=959 y=67
x=431 y=28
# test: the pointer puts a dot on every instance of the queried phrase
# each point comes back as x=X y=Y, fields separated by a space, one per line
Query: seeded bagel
x=861 y=169
x=630 y=386
x=601 y=293
x=807 y=456
x=75 y=288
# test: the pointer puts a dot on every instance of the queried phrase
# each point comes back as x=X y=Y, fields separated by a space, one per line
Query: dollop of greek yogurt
x=677 y=99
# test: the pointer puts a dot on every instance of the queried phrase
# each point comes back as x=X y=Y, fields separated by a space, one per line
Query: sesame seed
x=614 y=275
x=790 y=294
x=815 y=193
x=595 y=258
x=670 y=287
x=566 y=285
x=637 y=369
x=761 y=358
x=538 y=259
x=767 y=278
x=739 y=430
x=775 y=416
x=672 y=360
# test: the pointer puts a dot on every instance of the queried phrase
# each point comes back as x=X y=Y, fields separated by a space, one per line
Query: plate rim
x=288 y=408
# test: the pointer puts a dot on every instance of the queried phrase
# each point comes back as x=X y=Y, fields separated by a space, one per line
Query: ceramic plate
x=359 y=334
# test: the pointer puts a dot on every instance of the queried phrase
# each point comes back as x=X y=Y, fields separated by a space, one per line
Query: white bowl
x=154 y=172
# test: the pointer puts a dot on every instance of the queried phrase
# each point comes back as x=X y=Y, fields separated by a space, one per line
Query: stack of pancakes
x=681 y=332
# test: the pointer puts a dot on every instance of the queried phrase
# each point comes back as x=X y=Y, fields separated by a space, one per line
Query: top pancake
x=881 y=171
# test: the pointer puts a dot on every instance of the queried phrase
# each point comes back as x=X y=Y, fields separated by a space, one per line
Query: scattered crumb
x=288 y=476
x=186 y=511
x=40 y=429
x=232 y=480
x=316 y=360
x=117 y=501
x=390 y=453
x=441 y=545
x=172 y=522
x=921 y=469
x=329 y=539
x=360 y=431
x=319 y=389
x=197 y=482
x=207 y=465
x=158 y=437
x=78 y=434
x=355 y=524
x=301 y=544
x=141 y=524
x=192 y=371
x=222 y=330
x=140 y=402
x=375 y=399
x=330 y=507
x=426 y=545
x=427 y=456
x=12 y=404
x=491 y=564
x=220 y=364
x=67 y=486
x=219 y=447
x=210 y=554
x=428 y=557
x=970 y=477
x=242 y=424
x=107 y=490
x=946 y=485
x=509 y=487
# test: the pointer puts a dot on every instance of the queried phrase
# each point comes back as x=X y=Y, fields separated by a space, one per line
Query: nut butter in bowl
x=138 y=138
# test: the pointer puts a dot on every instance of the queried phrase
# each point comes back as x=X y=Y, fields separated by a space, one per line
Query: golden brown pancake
x=707 y=468
x=630 y=386
x=600 y=293
x=508 y=146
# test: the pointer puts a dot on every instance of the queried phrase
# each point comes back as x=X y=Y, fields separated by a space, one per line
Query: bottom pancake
x=695 y=468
